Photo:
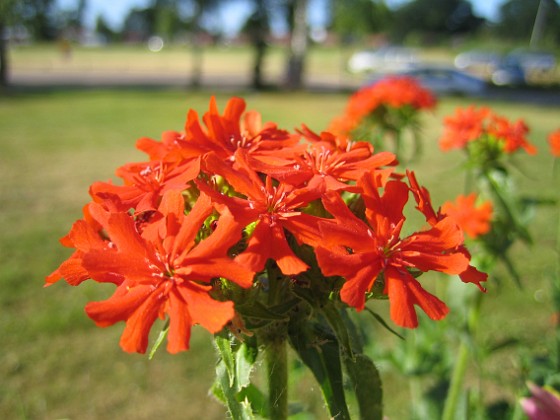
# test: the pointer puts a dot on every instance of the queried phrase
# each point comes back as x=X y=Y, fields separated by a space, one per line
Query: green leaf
x=319 y=350
x=217 y=391
x=159 y=340
x=257 y=310
x=339 y=327
x=237 y=410
x=259 y=402
x=245 y=358
x=383 y=323
x=224 y=348
x=367 y=386
x=233 y=379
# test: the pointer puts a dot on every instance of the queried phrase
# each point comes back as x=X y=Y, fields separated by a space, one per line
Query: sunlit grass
x=56 y=364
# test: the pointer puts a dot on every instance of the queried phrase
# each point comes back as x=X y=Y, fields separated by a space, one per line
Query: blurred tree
x=103 y=29
x=6 y=19
x=297 y=19
x=353 y=19
x=70 y=23
x=38 y=16
x=257 y=29
x=81 y=14
x=518 y=17
x=435 y=19
x=201 y=7
x=139 y=24
x=167 y=19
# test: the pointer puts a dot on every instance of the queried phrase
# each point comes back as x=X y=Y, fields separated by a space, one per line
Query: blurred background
x=449 y=44
x=81 y=80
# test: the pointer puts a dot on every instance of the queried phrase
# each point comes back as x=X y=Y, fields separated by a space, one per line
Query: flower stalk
x=276 y=360
x=462 y=361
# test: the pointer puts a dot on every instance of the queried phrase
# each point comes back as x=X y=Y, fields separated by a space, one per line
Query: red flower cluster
x=554 y=143
x=388 y=93
x=215 y=203
x=474 y=220
x=476 y=125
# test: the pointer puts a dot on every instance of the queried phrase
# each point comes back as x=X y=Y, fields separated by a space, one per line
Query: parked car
x=480 y=61
x=447 y=81
x=383 y=59
x=508 y=73
x=532 y=60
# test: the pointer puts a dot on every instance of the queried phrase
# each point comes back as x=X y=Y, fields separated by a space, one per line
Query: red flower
x=424 y=205
x=165 y=271
x=273 y=208
x=172 y=147
x=360 y=252
x=391 y=92
x=145 y=184
x=227 y=136
x=395 y=92
x=465 y=126
x=554 y=143
x=328 y=163
x=513 y=135
x=473 y=220
x=84 y=236
x=481 y=125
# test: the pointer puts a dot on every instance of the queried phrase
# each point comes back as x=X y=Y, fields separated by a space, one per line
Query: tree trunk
x=196 y=64
x=258 y=30
x=298 y=46
x=196 y=47
x=3 y=57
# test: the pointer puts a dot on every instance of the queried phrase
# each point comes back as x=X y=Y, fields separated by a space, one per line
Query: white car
x=382 y=60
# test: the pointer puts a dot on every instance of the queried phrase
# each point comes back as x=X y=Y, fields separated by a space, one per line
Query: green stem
x=556 y=280
x=508 y=208
x=461 y=364
x=276 y=356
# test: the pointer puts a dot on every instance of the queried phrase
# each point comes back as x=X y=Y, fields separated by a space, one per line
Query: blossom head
x=372 y=254
x=473 y=219
x=194 y=234
x=485 y=136
x=554 y=143
x=384 y=101
x=464 y=126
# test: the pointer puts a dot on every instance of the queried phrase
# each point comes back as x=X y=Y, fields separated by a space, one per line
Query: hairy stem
x=461 y=364
x=276 y=355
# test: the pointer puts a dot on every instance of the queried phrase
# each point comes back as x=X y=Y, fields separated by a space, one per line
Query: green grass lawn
x=56 y=364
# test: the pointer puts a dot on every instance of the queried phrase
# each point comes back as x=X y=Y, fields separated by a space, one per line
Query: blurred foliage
x=430 y=20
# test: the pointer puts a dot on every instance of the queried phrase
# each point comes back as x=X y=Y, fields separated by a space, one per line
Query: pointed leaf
x=383 y=323
x=237 y=410
x=224 y=348
x=367 y=386
x=159 y=340
x=257 y=399
x=339 y=327
x=245 y=358
x=318 y=349
x=259 y=311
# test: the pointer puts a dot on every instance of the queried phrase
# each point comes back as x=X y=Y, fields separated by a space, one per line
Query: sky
x=114 y=12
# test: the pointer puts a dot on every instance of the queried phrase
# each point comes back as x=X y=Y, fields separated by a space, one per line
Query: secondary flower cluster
x=391 y=102
x=554 y=143
x=480 y=129
x=474 y=220
x=214 y=206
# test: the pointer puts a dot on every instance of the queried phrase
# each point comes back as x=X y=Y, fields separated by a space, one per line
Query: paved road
x=111 y=79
